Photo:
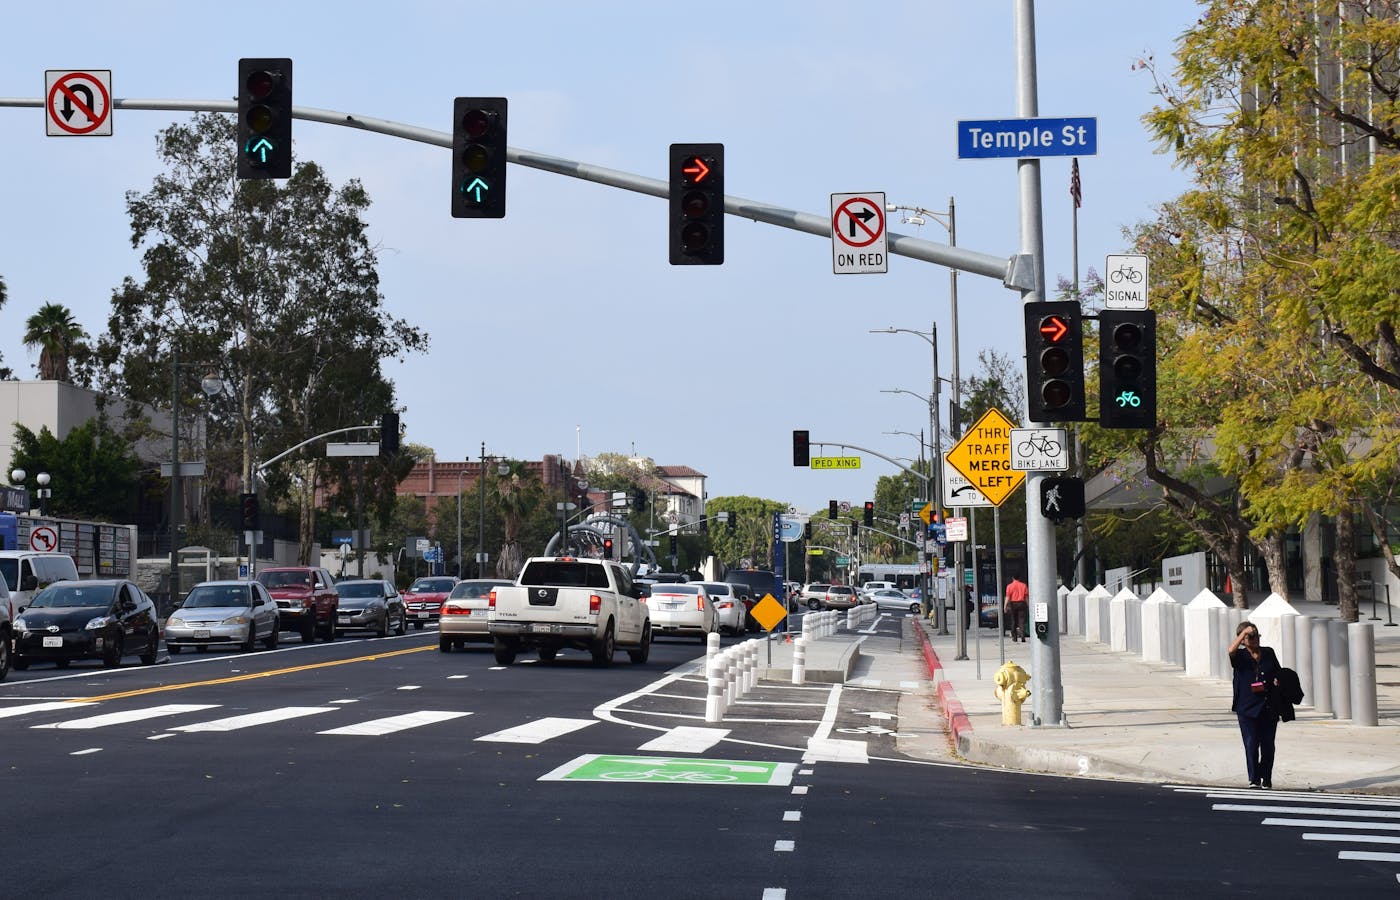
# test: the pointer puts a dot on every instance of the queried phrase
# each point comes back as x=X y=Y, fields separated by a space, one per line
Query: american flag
x=1076 y=192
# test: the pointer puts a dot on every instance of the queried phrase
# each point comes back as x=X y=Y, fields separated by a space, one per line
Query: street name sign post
x=1028 y=138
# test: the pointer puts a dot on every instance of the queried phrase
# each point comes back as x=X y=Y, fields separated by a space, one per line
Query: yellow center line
x=191 y=684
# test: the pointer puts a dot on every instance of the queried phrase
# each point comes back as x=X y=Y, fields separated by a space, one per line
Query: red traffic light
x=1053 y=329
x=695 y=170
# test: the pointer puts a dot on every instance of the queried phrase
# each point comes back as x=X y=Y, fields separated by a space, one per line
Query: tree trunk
x=1271 y=548
x=1344 y=562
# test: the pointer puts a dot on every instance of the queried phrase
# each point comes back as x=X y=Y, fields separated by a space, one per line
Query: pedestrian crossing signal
x=1062 y=498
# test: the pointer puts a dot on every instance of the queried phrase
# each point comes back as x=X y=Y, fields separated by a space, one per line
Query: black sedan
x=371 y=604
x=70 y=620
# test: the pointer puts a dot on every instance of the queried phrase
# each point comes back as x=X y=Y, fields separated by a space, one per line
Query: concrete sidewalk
x=1126 y=718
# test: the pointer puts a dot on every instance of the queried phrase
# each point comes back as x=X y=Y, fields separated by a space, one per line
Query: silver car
x=892 y=599
x=681 y=609
x=371 y=604
x=466 y=613
x=224 y=613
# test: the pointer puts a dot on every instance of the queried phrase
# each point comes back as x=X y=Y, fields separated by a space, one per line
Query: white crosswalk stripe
x=8 y=711
x=390 y=724
x=130 y=715
x=248 y=720
x=1350 y=819
x=538 y=731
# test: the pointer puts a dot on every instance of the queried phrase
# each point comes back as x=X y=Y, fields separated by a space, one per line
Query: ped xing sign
x=1028 y=138
x=835 y=462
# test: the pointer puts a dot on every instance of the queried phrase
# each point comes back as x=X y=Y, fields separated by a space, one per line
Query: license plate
x=673 y=604
x=421 y=614
x=201 y=632
x=53 y=641
x=539 y=627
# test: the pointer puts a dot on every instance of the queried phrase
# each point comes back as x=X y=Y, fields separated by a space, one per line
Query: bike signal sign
x=1039 y=450
x=1125 y=281
x=983 y=456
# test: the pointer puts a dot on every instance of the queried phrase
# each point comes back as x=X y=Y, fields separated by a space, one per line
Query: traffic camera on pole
x=696 y=175
x=1128 y=368
x=265 y=117
x=479 y=158
x=1054 y=362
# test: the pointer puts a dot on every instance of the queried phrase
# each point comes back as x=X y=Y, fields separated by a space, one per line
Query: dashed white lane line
x=799 y=789
x=39 y=707
x=792 y=815
x=775 y=894
x=455 y=677
x=345 y=701
x=784 y=846
x=410 y=687
x=86 y=752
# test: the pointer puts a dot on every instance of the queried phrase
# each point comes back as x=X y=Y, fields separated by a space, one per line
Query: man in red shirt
x=1016 y=608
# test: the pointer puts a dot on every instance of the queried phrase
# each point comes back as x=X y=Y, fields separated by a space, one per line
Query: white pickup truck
x=591 y=604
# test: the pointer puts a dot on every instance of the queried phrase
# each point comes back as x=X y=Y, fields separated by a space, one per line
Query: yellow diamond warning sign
x=983 y=456
x=768 y=612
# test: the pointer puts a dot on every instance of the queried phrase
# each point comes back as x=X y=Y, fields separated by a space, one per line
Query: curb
x=954 y=716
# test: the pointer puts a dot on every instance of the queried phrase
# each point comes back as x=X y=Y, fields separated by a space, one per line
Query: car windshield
x=359 y=589
x=276 y=579
x=475 y=590
x=73 y=597
x=838 y=589
x=217 y=595
x=432 y=586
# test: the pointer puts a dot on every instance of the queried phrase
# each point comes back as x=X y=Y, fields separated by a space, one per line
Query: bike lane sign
x=672 y=770
x=1125 y=281
x=1039 y=450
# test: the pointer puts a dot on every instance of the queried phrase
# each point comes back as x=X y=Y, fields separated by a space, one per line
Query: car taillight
x=700 y=603
x=454 y=610
x=491 y=600
x=595 y=603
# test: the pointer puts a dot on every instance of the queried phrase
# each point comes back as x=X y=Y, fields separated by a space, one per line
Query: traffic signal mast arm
x=1013 y=272
x=311 y=440
x=898 y=465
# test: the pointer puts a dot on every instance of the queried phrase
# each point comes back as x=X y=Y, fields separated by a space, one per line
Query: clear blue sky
x=563 y=326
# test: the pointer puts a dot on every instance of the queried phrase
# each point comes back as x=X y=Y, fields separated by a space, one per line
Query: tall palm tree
x=55 y=332
x=517 y=493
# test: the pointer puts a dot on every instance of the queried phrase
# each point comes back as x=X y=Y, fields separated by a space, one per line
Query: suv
x=813 y=595
x=307 y=599
x=839 y=596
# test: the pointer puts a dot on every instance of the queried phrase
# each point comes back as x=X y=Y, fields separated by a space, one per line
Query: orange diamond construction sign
x=983 y=456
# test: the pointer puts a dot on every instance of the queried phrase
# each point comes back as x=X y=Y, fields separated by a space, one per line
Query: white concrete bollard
x=1203 y=647
x=1302 y=651
x=1361 y=647
x=711 y=648
x=1118 y=620
x=799 y=660
x=1322 y=668
x=731 y=676
x=1340 y=668
x=714 y=697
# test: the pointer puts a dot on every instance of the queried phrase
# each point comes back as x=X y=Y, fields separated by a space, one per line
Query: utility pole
x=1047 y=690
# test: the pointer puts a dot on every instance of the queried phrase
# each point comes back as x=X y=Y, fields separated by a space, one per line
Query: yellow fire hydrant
x=1011 y=691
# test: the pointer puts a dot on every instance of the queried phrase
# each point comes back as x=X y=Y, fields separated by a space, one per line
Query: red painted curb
x=953 y=712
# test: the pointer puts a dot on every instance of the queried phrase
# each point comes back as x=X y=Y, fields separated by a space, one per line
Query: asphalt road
x=367 y=768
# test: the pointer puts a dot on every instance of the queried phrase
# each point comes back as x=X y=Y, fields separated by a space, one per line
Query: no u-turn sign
x=858 y=233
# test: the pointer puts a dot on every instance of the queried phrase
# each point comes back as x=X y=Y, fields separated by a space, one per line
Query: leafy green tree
x=57 y=335
x=273 y=283
x=752 y=534
x=1280 y=265
x=94 y=472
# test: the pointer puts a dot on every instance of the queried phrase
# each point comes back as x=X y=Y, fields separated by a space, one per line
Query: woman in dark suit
x=1256 y=673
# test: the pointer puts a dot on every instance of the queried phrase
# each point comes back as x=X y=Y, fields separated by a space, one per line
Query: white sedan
x=891 y=599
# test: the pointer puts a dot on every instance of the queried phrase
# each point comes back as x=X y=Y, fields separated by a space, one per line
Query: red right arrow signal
x=697 y=170
x=1052 y=328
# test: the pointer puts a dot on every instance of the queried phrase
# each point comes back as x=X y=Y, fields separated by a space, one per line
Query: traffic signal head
x=855 y=529
x=801 y=449
x=732 y=521
x=1054 y=362
x=1128 y=368
x=248 y=508
x=673 y=545
x=869 y=513
x=265 y=118
x=831 y=509
x=807 y=531
x=639 y=499
x=388 y=434
x=607 y=548
x=696 y=174
x=479 y=158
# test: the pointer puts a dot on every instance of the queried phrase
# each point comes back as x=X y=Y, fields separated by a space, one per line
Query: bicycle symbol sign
x=1039 y=450
x=1125 y=281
